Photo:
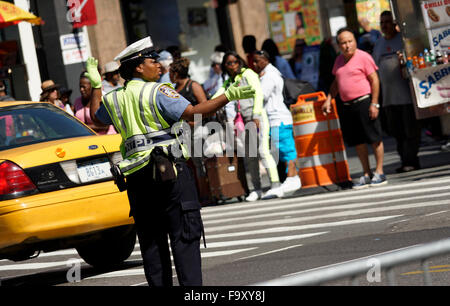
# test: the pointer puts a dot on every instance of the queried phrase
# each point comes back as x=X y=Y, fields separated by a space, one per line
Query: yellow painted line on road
x=433 y=269
x=440 y=267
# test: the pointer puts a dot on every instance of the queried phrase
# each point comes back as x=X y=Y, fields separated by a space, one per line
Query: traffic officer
x=161 y=190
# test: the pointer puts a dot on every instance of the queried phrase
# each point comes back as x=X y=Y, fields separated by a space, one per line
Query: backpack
x=293 y=88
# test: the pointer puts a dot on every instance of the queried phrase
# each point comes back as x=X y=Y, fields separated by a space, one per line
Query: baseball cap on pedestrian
x=165 y=58
x=140 y=49
x=111 y=67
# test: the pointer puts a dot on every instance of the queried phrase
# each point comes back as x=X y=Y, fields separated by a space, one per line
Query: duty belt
x=146 y=142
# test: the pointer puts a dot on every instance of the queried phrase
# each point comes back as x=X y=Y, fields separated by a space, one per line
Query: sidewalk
x=434 y=162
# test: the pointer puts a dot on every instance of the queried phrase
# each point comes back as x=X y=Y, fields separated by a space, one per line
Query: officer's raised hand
x=96 y=82
x=92 y=73
x=237 y=93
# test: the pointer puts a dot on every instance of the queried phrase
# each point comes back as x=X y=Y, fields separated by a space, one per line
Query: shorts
x=283 y=140
x=357 y=127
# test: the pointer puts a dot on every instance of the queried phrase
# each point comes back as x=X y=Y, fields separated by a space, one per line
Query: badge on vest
x=169 y=92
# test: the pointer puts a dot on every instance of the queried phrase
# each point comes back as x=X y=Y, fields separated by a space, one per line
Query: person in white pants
x=280 y=118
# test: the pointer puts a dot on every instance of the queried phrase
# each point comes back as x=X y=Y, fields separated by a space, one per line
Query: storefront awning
x=11 y=15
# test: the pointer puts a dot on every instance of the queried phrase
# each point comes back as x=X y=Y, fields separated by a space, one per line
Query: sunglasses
x=230 y=63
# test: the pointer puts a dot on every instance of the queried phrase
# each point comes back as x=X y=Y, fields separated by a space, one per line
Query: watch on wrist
x=376 y=105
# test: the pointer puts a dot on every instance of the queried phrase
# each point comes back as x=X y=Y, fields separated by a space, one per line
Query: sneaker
x=291 y=184
x=254 y=196
x=378 y=180
x=446 y=147
x=273 y=193
x=364 y=182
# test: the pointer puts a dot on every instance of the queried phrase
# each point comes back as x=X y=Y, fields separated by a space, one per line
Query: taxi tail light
x=14 y=180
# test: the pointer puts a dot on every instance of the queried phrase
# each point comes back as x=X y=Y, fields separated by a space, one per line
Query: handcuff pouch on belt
x=119 y=178
x=163 y=165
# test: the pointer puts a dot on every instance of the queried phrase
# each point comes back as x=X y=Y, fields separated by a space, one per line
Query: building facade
x=195 y=26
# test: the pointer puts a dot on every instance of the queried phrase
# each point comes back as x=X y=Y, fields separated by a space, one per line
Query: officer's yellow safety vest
x=139 y=123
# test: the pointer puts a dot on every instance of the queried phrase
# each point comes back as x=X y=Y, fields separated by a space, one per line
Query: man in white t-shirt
x=397 y=99
x=280 y=117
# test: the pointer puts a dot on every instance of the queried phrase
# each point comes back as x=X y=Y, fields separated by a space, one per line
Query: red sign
x=81 y=13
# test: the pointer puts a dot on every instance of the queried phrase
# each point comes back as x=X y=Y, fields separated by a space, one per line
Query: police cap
x=142 y=48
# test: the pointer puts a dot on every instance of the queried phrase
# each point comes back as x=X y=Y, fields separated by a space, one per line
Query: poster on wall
x=371 y=10
x=293 y=19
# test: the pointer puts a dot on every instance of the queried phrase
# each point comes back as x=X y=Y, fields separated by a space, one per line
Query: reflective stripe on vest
x=315 y=127
x=139 y=143
x=142 y=129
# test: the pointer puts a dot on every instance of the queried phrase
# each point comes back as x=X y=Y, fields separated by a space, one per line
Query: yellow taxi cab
x=56 y=188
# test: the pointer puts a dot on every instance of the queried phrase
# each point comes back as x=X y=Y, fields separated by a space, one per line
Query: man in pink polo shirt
x=358 y=86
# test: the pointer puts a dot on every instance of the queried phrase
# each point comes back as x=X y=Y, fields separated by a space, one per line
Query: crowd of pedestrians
x=363 y=74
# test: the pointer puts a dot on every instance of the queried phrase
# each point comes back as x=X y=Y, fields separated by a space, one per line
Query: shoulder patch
x=169 y=92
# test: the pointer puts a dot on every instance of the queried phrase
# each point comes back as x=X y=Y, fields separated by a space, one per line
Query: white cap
x=111 y=67
x=217 y=57
x=165 y=58
x=135 y=47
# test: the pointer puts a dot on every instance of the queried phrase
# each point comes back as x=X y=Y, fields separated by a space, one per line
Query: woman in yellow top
x=252 y=110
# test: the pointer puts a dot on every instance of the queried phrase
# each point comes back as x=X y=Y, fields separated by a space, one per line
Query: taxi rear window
x=22 y=125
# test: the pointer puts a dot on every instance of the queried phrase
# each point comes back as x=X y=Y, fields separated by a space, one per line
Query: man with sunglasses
x=161 y=190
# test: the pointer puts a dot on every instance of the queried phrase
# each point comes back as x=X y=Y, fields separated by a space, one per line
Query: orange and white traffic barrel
x=321 y=154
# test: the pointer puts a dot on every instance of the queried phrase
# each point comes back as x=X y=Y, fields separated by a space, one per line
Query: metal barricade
x=358 y=267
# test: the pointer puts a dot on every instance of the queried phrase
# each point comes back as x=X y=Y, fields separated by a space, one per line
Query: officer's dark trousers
x=162 y=209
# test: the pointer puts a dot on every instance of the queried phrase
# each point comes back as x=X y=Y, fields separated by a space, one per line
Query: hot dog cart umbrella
x=11 y=15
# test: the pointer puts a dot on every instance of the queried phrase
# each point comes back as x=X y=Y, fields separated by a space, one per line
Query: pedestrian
x=50 y=93
x=397 y=100
x=165 y=59
x=3 y=95
x=296 y=60
x=252 y=110
x=326 y=61
x=194 y=93
x=161 y=190
x=65 y=94
x=111 y=79
x=184 y=85
x=280 y=118
x=215 y=80
x=249 y=46
x=369 y=36
x=358 y=86
x=83 y=105
x=276 y=59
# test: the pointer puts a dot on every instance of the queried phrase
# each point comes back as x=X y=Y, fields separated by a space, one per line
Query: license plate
x=94 y=170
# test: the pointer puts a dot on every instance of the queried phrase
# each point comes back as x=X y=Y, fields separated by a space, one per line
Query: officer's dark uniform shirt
x=171 y=105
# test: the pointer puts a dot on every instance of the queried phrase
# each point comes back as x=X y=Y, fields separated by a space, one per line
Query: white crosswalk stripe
x=247 y=230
